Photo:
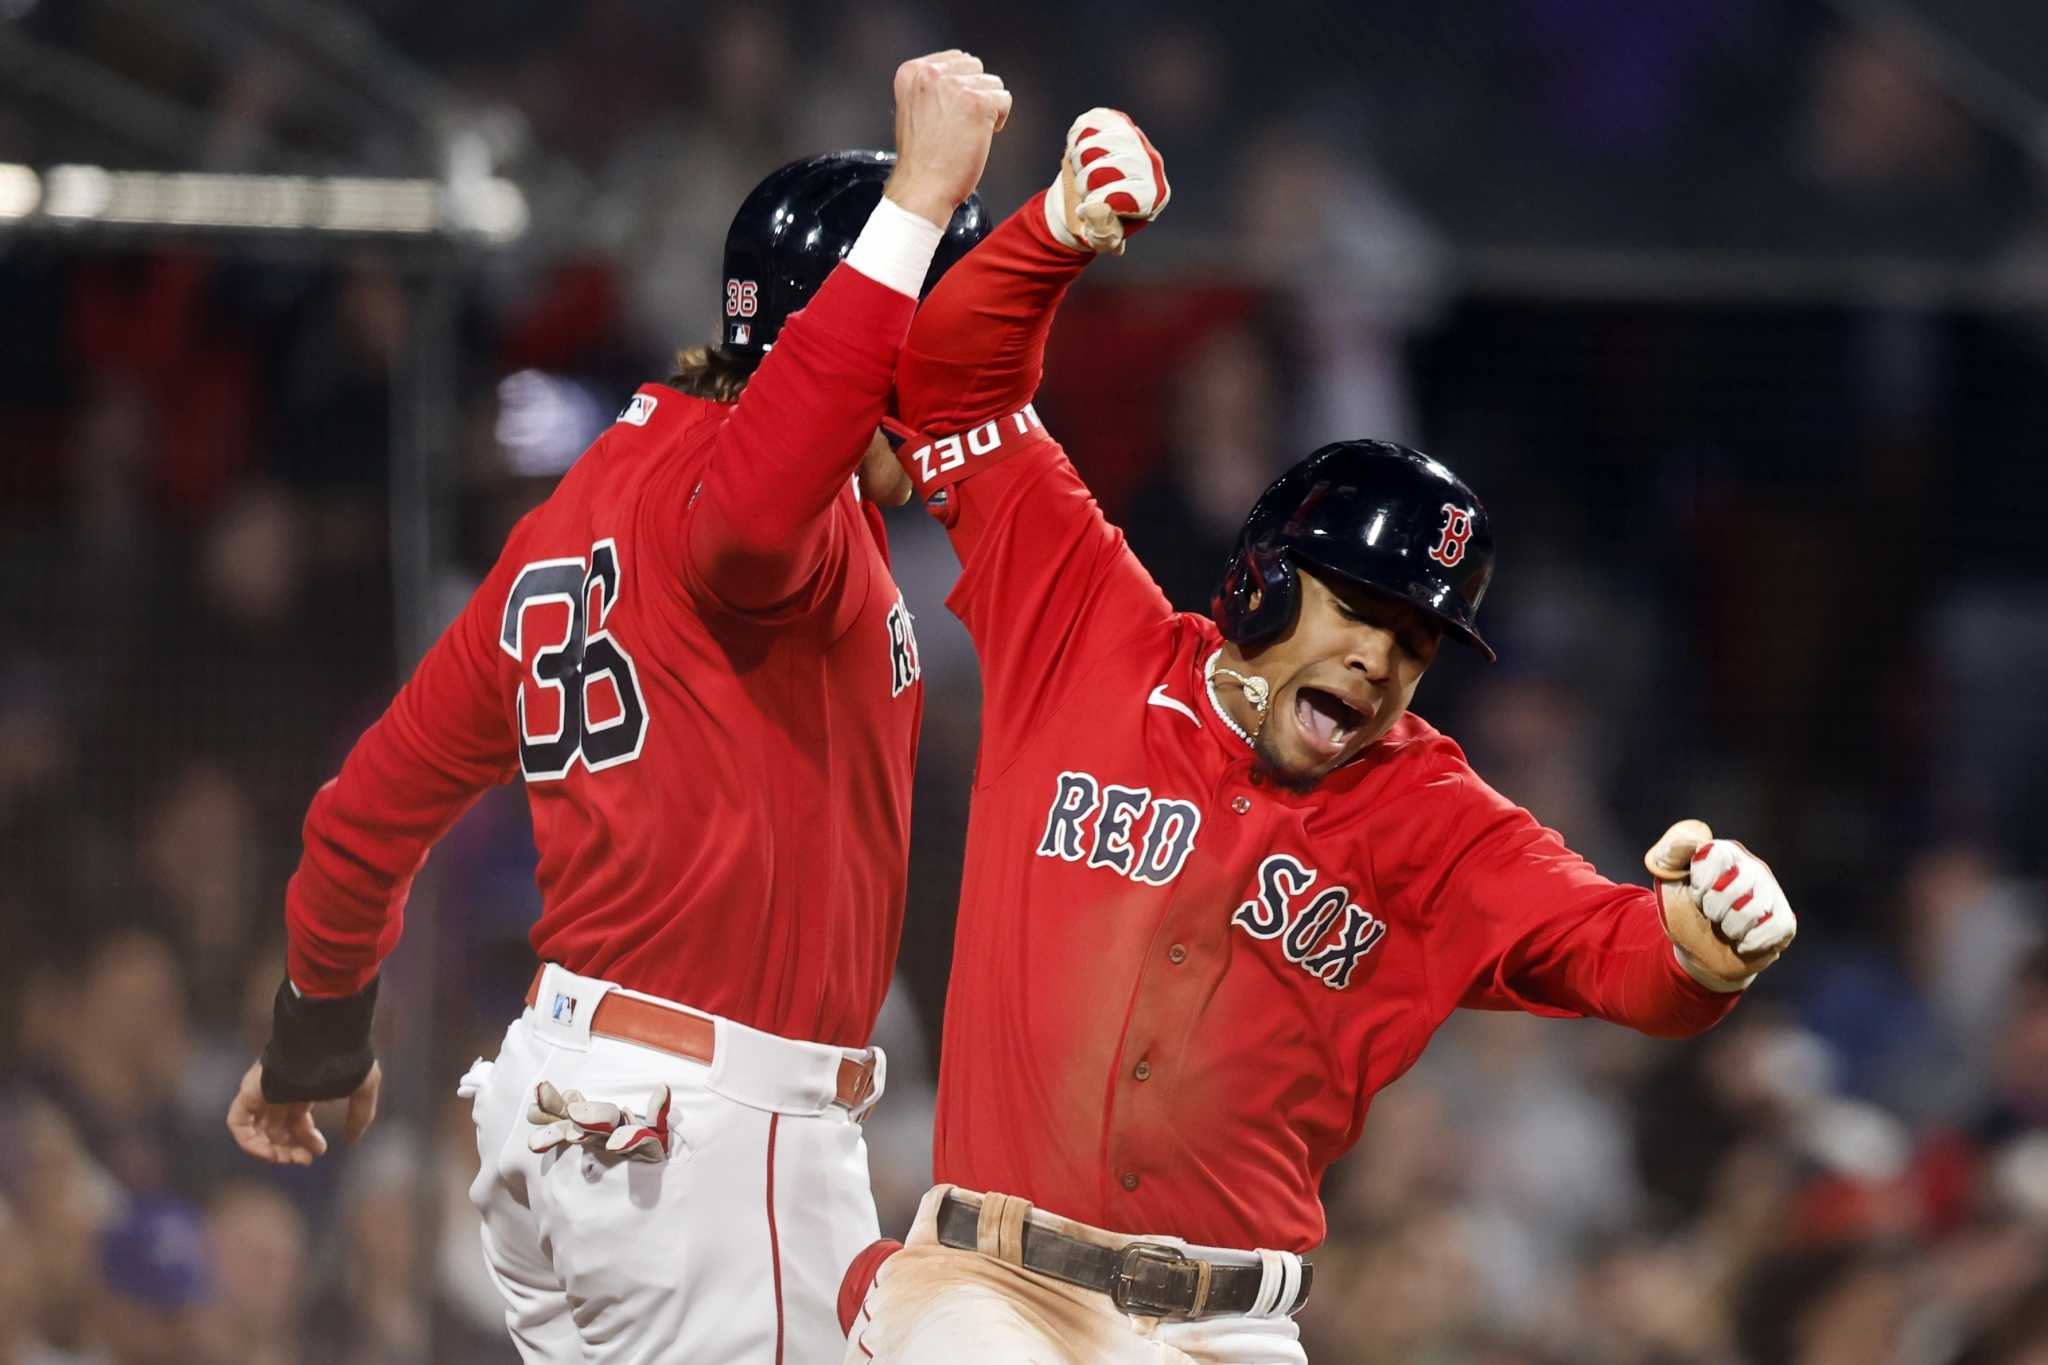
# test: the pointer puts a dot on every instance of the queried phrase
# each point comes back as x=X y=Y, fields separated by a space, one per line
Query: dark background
x=1735 y=313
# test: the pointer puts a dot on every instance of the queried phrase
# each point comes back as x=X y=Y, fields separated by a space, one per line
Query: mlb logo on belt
x=638 y=409
x=564 y=1010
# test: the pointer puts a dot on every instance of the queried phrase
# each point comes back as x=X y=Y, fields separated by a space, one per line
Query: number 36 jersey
x=697 y=659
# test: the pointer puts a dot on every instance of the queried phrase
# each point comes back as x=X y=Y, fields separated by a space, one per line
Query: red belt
x=693 y=1036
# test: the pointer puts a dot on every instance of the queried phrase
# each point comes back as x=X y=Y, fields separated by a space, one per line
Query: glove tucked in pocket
x=567 y=1120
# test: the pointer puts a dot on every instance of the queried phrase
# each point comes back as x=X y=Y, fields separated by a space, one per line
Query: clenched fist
x=948 y=108
x=1723 y=907
x=1112 y=182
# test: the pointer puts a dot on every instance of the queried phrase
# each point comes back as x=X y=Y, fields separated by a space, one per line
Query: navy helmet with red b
x=1368 y=512
x=799 y=223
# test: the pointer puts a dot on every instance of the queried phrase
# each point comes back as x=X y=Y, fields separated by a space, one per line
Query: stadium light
x=492 y=208
x=21 y=189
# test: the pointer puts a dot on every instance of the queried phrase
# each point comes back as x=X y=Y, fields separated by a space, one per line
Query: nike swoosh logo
x=1159 y=698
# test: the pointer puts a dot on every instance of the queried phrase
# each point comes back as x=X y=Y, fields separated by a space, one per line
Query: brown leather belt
x=692 y=1036
x=1150 y=1279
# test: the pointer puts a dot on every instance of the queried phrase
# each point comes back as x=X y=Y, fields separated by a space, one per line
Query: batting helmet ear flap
x=1257 y=597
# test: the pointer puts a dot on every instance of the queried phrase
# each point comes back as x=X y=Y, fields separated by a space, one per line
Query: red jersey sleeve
x=1525 y=923
x=445 y=739
x=757 y=531
x=1047 y=587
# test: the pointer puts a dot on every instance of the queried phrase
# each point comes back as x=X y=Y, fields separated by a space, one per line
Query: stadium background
x=1736 y=313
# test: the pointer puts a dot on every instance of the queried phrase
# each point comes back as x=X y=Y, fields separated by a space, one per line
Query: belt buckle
x=1135 y=1291
x=864 y=1087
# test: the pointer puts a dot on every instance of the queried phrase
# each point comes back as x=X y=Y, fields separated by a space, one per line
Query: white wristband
x=1700 y=974
x=895 y=248
x=1056 y=214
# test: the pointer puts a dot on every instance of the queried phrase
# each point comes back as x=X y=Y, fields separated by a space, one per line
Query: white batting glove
x=1111 y=182
x=567 y=1119
x=1740 y=896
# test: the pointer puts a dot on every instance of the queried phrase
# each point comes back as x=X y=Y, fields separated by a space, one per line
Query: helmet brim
x=1433 y=597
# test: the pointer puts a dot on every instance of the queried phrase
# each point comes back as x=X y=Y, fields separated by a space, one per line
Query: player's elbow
x=1689 y=1020
x=751 y=574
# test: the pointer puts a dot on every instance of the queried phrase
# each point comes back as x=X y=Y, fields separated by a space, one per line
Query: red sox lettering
x=903 y=664
x=1111 y=842
x=1096 y=823
x=1274 y=913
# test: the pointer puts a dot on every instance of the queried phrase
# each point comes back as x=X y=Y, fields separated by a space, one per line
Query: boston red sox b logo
x=1457 y=530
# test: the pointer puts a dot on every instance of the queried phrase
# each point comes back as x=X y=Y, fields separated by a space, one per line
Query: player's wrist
x=1055 y=202
x=896 y=246
x=1720 y=985
x=319 y=1047
x=925 y=199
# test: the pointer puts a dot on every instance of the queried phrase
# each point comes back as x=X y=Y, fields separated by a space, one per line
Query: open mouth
x=1326 y=719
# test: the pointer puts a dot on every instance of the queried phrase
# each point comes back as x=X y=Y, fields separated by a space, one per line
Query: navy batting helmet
x=1369 y=512
x=799 y=223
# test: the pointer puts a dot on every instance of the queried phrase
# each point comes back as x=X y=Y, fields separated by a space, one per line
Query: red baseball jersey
x=696 y=656
x=1177 y=987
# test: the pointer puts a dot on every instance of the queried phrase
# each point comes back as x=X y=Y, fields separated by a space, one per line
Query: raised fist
x=947 y=110
x=1723 y=907
x=1111 y=183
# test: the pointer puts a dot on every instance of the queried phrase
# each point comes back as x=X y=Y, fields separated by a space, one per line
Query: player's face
x=1341 y=676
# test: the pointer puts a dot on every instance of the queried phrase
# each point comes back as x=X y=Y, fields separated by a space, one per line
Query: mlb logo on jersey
x=638 y=409
x=564 y=1010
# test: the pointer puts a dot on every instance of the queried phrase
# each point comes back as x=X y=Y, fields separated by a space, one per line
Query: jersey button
x=1177 y=954
x=1143 y=1071
x=1130 y=1180
x=1240 y=804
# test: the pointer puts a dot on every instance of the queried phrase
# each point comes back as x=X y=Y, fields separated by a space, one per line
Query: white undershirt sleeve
x=895 y=248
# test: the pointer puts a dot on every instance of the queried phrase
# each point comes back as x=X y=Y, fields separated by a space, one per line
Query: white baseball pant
x=731 y=1250
x=939 y=1305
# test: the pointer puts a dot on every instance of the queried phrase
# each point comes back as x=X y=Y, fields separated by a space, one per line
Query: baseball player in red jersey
x=1221 y=884
x=696 y=656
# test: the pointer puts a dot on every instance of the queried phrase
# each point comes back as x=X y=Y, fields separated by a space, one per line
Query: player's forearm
x=806 y=418
x=1639 y=983
x=977 y=349
x=368 y=830
x=345 y=905
x=1617 y=965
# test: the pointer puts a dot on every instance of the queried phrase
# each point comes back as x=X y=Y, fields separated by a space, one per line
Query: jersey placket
x=1183 y=968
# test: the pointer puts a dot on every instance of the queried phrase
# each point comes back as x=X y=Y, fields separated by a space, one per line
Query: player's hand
x=947 y=110
x=1112 y=182
x=1723 y=907
x=285 y=1134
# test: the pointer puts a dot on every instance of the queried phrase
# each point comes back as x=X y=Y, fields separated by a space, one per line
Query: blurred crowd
x=1771 y=562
